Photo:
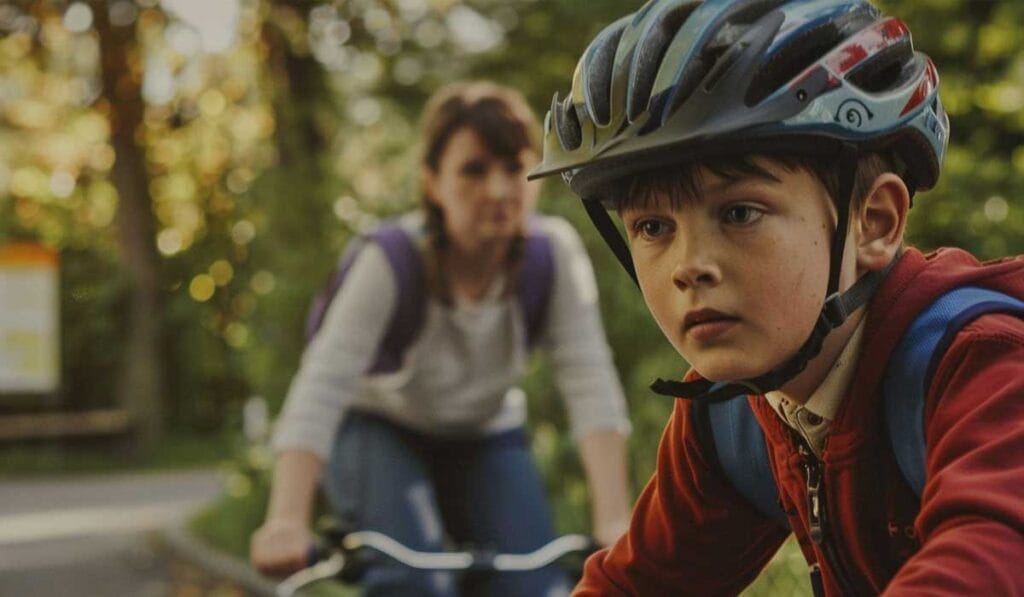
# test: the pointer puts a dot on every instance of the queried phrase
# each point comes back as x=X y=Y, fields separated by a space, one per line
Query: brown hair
x=505 y=124
x=681 y=182
x=498 y=114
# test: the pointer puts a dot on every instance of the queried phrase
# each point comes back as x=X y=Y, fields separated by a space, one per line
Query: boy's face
x=735 y=276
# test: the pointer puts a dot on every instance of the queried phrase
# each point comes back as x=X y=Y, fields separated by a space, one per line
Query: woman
x=435 y=449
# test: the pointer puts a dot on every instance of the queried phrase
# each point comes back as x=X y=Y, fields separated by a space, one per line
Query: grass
x=786 y=574
x=178 y=450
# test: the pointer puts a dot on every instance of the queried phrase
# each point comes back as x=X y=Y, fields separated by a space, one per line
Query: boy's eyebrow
x=684 y=187
x=723 y=185
x=726 y=183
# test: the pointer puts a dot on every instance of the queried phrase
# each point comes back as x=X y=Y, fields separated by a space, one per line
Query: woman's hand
x=608 y=531
x=604 y=459
x=280 y=547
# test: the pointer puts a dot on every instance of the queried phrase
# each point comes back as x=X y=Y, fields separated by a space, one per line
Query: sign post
x=29 y=319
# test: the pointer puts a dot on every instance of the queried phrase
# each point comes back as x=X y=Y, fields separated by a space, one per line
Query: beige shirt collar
x=813 y=419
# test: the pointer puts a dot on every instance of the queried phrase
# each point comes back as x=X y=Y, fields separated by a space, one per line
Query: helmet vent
x=799 y=53
x=884 y=70
x=733 y=27
x=649 y=55
x=753 y=10
x=567 y=123
x=599 y=74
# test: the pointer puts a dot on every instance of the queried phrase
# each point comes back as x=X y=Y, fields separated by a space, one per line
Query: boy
x=762 y=156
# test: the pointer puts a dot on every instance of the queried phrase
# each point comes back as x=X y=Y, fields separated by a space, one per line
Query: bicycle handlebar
x=352 y=542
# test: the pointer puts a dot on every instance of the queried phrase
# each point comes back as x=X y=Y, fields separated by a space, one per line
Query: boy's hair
x=680 y=183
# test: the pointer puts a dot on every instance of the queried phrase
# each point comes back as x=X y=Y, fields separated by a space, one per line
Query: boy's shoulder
x=947 y=296
x=918 y=282
x=919 y=279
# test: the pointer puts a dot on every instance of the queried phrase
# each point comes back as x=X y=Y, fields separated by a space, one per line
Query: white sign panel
x=29 y=319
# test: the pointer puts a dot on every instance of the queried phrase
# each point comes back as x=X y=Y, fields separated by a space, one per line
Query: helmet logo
x=853 y=112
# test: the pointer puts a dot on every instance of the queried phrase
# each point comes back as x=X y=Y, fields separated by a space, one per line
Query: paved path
x=88 y=535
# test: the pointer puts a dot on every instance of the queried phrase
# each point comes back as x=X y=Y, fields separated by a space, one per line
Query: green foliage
x=980 y=56
x=786 y=574
x=93 y=295
x=229 y=522
x=177 y=450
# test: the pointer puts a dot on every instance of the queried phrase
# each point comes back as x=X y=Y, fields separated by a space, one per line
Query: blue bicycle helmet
x=685 y=79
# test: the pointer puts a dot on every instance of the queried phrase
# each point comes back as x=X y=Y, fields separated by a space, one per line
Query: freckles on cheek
x=790 y=292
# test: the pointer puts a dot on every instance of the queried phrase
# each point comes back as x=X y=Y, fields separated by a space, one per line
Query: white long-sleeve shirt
x=459 y=375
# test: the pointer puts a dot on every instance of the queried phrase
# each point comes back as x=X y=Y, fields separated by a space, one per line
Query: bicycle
x=347 y=554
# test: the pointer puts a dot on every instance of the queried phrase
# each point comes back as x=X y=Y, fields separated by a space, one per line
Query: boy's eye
x=742 y=214
x=650 y=228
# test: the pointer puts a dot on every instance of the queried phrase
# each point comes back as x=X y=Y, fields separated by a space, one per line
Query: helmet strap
x=611 y=235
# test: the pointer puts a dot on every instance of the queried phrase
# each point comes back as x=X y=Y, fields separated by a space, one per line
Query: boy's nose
x=693 y=271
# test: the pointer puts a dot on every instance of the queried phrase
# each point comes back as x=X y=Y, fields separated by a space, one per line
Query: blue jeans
x=429 y=493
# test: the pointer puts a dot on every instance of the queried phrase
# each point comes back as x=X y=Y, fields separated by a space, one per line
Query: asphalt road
x=91 y=536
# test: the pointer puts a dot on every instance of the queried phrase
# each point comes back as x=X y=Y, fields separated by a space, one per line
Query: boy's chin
x=728 y=371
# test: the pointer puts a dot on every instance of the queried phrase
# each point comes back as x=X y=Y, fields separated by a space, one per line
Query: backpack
x=732 y=432
x=532 y=291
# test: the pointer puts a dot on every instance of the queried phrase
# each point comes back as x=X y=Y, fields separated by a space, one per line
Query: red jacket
x=692 y=533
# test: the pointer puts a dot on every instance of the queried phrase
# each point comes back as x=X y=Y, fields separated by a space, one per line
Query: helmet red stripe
x=924 y=89
x=865 y=44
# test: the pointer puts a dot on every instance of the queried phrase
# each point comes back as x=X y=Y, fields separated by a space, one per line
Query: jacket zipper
x=819 y=531
x=817 y=588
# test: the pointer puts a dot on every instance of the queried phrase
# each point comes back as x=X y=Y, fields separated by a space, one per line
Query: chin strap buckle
x=835 y=311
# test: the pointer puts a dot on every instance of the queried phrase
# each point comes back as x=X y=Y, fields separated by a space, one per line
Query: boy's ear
x=882 y=221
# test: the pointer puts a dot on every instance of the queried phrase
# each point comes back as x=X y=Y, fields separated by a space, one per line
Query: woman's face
x=485 y=198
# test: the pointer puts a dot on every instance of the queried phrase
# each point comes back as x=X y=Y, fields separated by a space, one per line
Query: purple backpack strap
x=407 y=318
x=323 y=299
x=533 y=292
x=535 y=282
x=404 y=258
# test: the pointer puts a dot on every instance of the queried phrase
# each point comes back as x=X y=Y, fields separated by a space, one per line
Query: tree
x=141 y=390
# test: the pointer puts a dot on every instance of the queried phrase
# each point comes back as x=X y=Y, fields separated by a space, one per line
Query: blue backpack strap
x=535 y=281
x=742 y=455
x=913 y=363
x=406 y=263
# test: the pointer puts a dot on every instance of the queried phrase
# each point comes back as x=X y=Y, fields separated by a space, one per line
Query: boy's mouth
x=706 y=318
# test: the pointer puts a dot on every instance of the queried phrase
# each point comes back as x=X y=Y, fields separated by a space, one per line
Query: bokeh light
x=202 y=287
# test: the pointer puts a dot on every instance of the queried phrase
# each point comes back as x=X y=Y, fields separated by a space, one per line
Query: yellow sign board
x=29 y=319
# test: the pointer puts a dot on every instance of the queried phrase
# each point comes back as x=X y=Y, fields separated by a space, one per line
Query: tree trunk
x=295 y=195
x=141 y=385
x=300 y=90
